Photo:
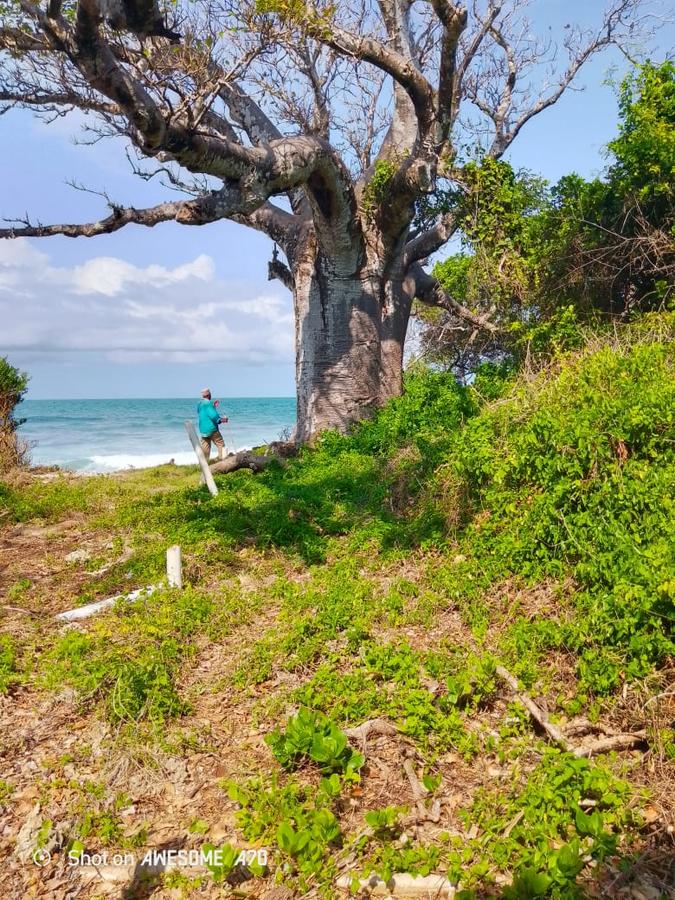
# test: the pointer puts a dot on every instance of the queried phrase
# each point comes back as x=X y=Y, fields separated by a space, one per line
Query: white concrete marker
x=201 y=459
x=403 y=885
x=174 y=567
x=83 y=612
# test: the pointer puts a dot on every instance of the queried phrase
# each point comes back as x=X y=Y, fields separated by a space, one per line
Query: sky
x=166 y=311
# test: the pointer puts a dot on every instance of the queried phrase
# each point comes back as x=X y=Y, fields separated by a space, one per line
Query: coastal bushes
x=13 y=385
x=573 y=475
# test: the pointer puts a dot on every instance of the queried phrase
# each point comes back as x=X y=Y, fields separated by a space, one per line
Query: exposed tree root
x=615 y=742
x=612 y=741
x=535 y=711
x=362 y=732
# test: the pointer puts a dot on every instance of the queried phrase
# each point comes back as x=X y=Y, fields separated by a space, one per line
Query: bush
x=573 y=474
x=13 y=386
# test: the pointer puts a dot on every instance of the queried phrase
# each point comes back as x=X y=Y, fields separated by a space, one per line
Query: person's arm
x=214 y=415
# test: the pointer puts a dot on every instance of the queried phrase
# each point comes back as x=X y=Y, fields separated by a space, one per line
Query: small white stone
x=77 y=556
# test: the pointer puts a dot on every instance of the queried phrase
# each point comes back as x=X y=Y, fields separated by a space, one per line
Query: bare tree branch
x=183 y=211
x=400 y=68
x=453 y=18
x=17 y=40
x=54 y=100
x=403 y=129
x=423 y=245
x=430 y=292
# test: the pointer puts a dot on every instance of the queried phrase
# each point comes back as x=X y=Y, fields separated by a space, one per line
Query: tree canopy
x=539 y=259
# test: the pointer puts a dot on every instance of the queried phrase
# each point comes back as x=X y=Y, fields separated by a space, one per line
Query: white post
x=174 y=567
x=201 y=459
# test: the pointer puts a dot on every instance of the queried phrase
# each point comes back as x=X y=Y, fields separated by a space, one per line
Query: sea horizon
x=196 y=399
x=103 y=434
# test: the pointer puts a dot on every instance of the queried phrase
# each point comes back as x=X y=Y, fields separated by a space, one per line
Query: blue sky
x=164 y=311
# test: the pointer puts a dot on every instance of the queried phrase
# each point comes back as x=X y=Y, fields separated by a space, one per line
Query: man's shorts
x=214 y=438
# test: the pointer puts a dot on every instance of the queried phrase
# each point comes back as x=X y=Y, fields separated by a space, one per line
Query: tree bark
x=350 y=331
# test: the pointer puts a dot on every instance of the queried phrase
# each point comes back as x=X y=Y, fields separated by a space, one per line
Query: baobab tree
x=330 y=127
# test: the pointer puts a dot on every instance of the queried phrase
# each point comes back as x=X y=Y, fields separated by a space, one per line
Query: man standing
x=209 y=420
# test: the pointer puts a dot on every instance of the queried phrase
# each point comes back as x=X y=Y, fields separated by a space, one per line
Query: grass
x=386 y=574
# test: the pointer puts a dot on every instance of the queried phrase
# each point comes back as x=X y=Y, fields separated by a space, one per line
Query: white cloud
x=113 y=308
x=110 y=276
x=21 y=254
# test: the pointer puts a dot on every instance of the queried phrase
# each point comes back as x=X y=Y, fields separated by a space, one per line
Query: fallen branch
x=362 y=732
x=582 y=727
x=612 y=742
x=244 y=459
x=418 y=789
x=420 y=793
x=20 y=609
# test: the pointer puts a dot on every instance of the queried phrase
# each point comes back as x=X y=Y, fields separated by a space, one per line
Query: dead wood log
x=256 y=462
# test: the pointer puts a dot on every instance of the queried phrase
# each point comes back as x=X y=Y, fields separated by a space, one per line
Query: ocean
x=108 y=435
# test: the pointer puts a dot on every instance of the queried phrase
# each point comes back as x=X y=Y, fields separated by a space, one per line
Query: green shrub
x=300 y=822
x=13 y=385
x=9 y=673
x=131 y=659
x=311 y=735
x=543 y=813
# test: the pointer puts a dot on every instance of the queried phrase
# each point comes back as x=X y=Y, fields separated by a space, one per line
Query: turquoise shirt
x=209 y=417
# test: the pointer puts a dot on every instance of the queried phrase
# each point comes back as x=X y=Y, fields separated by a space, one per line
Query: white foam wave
x=116 y=461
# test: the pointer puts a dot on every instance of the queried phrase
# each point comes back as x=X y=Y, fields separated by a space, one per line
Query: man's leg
x=206 y=445
x=217 y=439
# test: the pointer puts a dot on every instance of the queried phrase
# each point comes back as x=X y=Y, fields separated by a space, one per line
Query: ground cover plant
x=328 y=686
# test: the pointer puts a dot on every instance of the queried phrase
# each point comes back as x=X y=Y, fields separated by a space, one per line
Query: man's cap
x=206 y=391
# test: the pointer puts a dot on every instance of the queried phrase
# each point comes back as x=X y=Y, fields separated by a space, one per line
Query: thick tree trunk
x=350 y=330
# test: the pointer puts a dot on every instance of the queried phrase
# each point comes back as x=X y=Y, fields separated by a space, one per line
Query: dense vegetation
x=538 y=259
x=521 y=522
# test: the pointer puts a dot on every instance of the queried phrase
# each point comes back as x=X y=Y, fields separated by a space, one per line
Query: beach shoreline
x=104 y=436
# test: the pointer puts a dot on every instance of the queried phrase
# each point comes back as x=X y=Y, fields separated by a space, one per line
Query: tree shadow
x=302 y=508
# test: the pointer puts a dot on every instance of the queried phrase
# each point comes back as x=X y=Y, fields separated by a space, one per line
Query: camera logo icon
x=41 y=858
